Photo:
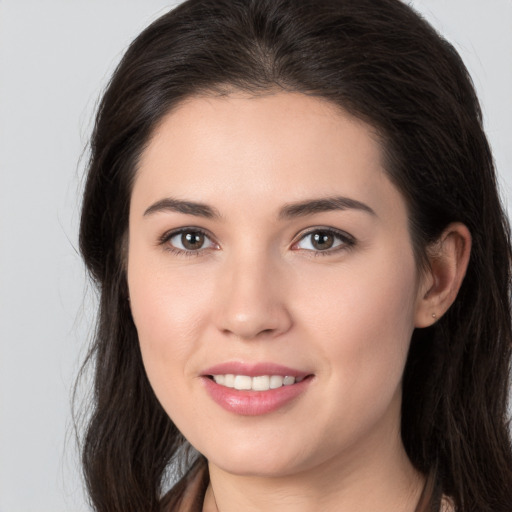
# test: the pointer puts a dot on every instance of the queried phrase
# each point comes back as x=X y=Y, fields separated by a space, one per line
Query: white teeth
x=288 y=381
x=276 y=381
x=243 y=382
x=259 y=383
x=229 y=380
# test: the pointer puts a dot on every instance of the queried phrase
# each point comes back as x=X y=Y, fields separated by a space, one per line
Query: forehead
x=275 y=148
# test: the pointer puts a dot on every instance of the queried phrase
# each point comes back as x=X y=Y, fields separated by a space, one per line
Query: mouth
x=256 y=383
x=255 y=389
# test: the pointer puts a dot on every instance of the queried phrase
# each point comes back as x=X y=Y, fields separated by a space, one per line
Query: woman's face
x=266 y=241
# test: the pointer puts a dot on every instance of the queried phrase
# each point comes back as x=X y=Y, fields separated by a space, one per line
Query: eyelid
x=348 y=241
x=168 y=235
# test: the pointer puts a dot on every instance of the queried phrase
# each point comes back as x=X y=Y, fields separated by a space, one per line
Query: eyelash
x=346 y=241
x=167 y=236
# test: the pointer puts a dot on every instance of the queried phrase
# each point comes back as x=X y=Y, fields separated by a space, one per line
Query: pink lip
x=254 y=403
x=253 y=370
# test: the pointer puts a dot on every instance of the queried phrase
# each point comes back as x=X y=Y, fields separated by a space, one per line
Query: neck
x=375 y=477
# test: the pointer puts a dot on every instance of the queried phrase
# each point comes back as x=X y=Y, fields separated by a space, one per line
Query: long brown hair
x=381 y=62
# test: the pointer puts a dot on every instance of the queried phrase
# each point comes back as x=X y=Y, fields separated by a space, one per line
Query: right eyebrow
x=186 y=207
x=326 y=204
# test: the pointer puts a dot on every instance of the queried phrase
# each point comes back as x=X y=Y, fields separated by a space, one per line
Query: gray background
x=55 y=58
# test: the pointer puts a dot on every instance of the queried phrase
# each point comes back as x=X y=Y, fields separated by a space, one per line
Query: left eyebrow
x=170 y=204
x=327 y=204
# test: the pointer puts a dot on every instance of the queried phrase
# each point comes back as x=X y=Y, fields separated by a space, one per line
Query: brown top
x=196 y=482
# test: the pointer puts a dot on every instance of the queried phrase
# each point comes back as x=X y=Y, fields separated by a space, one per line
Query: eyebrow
x=327 y=204
x=291 y=210
x=170 y=204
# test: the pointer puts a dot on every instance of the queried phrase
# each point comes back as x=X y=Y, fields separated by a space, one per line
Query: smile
x=255 y=389
x=257 y=383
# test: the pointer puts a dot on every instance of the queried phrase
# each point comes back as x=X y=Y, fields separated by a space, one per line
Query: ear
x=448 y=260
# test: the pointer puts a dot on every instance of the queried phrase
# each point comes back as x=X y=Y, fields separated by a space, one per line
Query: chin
x=256 y=468
x=249 y=459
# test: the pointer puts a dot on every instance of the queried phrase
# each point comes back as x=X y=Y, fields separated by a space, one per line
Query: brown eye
x=322 y=240
x=189 y=241
x=192 y=241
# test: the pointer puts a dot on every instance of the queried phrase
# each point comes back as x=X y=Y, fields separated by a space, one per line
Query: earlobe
x=448 y=262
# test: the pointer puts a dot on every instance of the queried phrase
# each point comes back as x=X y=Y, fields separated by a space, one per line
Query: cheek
x=168 y=328
x=363 y=320
x=168 y=312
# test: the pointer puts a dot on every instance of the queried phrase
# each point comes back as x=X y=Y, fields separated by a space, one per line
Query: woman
x=292 y=217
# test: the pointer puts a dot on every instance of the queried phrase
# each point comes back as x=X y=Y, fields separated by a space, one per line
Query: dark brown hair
x=381 y=62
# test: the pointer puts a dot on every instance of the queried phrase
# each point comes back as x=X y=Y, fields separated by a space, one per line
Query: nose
x=252 y=302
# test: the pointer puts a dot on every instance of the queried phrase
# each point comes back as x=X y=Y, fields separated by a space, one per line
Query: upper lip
x=254 y=369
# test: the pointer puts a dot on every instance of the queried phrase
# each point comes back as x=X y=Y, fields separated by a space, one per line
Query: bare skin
x=265 y=229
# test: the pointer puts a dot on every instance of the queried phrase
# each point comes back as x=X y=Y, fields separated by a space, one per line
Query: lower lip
x=254 y=403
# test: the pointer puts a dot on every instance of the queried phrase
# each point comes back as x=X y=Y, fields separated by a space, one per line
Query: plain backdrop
x=55 y=58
